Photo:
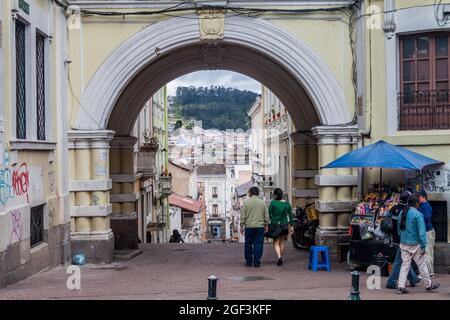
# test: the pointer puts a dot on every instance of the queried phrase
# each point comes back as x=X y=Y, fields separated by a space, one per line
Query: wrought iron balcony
x=424 y=110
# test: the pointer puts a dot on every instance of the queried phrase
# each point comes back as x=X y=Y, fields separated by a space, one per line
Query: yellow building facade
x=338 y=67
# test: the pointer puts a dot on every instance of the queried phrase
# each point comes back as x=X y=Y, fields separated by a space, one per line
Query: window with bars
x=40 y=85
x=424 y=79
x=36 y=225
x=21 y=129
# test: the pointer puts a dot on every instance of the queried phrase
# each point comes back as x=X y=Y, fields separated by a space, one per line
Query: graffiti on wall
x=17 y=226
x=436 y=180
x=433 y=180
x=13 y=182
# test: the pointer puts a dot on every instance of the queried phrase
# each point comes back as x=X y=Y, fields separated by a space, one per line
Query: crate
x=312 y=214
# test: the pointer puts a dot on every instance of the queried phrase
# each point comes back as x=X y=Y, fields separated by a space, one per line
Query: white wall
x=175 y=219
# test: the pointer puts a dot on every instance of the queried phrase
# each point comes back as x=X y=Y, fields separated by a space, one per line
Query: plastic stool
x=314 y=263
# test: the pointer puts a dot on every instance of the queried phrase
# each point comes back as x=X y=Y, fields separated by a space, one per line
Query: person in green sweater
x=280 y=213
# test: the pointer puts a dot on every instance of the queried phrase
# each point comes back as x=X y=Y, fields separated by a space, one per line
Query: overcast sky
x=215 y=78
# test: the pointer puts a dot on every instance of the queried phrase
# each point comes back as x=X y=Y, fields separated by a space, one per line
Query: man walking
x=427 y=212
x=413 y=241
x=254 y=218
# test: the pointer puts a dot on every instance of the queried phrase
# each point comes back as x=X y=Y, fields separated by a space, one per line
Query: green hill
x=217 y=107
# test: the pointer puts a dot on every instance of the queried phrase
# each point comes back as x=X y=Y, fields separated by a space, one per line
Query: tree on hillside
x=217 y=107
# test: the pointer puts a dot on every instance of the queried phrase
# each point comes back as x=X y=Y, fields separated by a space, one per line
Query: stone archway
x=166 y=50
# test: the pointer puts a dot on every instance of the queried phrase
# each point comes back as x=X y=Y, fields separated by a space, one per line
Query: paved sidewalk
x=180 y=271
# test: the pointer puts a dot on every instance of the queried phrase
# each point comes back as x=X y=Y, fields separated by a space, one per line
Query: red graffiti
x=20 y=180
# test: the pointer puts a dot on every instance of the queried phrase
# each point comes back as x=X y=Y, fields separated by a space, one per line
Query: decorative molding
x=32 y=145
x=334 y=206
x=90 y=139
x=304 y=173
x=127 y=216
x=305 y=193
x=125 y=62
x=123 y=177
x=124 y=197
x=92 y=235
x=389 y=18
x=155 y=4
x=301 y=138
x=123 y=142
x=336 y=181
x=90 y=185
x=212 y=24
x=91 y=211
x=336 y=134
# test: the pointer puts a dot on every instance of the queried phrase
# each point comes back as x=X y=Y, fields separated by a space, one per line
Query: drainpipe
x=364 y=130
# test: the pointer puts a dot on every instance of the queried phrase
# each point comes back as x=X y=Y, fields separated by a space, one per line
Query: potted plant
x=273 y=113
x=151 y=142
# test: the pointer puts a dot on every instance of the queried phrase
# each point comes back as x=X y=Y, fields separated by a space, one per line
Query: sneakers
x=434 y=286
x=280 y=261
x=257 y=265
x=402 y=291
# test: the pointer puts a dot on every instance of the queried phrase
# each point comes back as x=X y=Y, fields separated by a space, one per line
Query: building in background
x=184 y=179
x=185 y=216
x=151 y=163
x=213 y=186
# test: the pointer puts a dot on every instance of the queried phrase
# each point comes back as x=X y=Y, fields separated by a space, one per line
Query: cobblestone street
x=180 y=271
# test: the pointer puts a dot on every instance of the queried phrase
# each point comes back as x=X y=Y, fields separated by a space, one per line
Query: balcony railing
x=424 y=110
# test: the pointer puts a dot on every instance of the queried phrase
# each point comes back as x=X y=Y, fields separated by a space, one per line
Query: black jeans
x=254 y=242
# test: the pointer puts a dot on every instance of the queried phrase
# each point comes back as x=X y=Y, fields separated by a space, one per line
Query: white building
x=212 y=180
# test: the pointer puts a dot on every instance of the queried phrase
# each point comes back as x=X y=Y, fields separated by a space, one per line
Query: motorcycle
x=305 y=227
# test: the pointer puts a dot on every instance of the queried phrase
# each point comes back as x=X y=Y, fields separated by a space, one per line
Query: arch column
x=336 y=186
x=90 y=194
x=124 y=193
x=304 y=168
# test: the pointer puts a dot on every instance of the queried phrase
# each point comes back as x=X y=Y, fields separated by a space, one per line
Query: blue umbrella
x=383 y=155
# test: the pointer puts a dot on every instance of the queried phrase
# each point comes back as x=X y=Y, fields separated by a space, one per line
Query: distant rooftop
x=185 y=203
x=182 y=166
x=211 y=169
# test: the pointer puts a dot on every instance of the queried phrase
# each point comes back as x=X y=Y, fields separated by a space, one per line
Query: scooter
x=304 y=229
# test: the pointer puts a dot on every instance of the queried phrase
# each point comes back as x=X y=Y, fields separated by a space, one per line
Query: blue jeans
x=392 y=281
x=254 y=241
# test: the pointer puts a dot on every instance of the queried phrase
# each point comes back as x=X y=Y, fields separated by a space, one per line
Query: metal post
x=354 y=293
x=212 y=287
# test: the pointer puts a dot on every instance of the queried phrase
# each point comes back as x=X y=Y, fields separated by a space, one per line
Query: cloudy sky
x=215 y=78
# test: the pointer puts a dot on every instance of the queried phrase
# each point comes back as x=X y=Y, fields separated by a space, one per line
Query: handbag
x=273 y=231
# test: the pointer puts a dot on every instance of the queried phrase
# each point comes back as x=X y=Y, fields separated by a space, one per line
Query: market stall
x=368 y=244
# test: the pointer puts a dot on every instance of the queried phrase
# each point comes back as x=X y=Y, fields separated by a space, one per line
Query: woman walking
x=280 y=213
x=413 y=241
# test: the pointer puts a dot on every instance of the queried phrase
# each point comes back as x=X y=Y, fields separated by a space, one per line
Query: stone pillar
x=89 y=193
x=304 y=168
x=124 y=220
x=336 y=196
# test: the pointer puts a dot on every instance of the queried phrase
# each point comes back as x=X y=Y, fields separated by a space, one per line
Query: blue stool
x=314 y=263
